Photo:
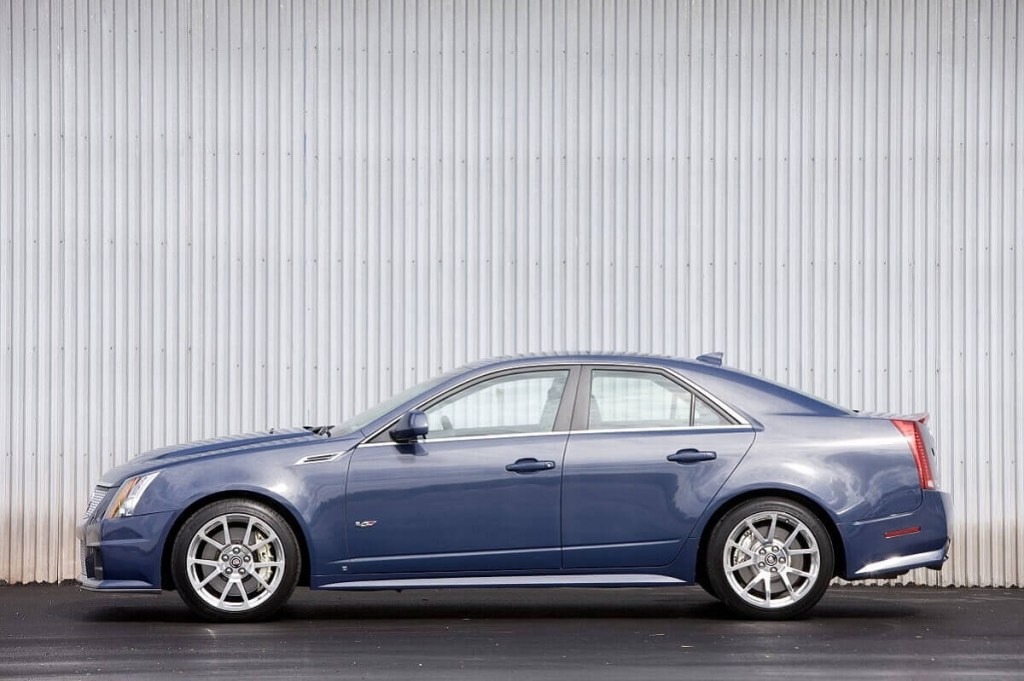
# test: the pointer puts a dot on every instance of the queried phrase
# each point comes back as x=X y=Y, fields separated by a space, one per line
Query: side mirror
x=411 y=427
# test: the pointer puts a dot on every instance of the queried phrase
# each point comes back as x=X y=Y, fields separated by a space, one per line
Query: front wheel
x=235 y=560
x=769 y=559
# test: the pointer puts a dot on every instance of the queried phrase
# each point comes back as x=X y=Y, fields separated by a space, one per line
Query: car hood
x=222 y=446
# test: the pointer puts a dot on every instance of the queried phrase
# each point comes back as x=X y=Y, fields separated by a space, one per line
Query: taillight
x=912 y=431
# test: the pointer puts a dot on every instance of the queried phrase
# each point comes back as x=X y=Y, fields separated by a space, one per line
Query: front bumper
x=123 y=554
x=870 y=554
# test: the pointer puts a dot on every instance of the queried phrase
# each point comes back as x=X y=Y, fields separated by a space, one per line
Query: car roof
x=581 y=357
x=749 y=393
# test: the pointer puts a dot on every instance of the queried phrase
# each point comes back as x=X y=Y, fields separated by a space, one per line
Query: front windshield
x=365 y=418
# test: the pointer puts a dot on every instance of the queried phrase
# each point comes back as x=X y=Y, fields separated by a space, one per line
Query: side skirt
x=524 y=581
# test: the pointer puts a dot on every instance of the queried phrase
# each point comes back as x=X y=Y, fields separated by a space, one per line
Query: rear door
x=646 y=455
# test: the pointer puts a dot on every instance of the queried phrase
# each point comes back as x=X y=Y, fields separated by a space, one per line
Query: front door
x=480 y=493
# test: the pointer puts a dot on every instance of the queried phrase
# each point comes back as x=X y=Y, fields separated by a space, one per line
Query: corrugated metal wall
x=223 y=216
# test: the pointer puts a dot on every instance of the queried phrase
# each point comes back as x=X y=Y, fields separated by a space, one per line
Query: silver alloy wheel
x=235 y=562
x=771 y=559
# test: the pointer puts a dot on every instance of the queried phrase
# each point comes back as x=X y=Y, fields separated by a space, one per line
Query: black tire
x=250 y=576
x=769 y=569
x=706 y=585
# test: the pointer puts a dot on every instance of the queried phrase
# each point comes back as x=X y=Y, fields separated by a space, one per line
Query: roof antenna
x=712 y=358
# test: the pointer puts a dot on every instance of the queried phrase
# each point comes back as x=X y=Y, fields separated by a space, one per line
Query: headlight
x=128 y=495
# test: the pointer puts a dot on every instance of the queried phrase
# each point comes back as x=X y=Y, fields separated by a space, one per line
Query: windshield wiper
x=319 y=430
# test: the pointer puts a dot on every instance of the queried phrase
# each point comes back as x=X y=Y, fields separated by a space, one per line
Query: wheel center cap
x=771 y=559
x=236 y=562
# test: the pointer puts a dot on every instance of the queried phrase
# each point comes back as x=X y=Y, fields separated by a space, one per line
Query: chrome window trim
x=732 y=428
x=741 y=423
x=536 y=433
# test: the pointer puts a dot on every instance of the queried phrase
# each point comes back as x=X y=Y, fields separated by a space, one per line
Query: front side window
x=638 y=399
x=514 y=403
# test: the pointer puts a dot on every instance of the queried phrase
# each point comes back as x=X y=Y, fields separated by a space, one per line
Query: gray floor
x=560 y=634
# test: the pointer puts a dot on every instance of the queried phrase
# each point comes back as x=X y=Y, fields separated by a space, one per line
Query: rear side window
x=639 y=399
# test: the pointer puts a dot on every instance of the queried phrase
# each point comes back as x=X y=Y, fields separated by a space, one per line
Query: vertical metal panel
x=225 y=216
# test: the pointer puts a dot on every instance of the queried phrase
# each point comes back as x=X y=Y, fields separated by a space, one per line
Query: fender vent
x=319 y=458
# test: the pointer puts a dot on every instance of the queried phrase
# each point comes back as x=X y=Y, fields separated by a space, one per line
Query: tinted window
x=636 y=399
x=705 y=415
x=514 y=403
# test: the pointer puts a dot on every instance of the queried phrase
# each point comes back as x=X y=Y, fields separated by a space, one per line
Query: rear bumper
x=929 y=559
x=870 y=554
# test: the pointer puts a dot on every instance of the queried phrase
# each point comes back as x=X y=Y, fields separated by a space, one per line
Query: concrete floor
x=564 y=634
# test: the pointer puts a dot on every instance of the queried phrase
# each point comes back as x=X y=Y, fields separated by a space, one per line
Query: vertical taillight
x=912 y=431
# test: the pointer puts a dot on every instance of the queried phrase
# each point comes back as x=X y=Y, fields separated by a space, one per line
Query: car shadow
x=711 y=611
x=498 y=605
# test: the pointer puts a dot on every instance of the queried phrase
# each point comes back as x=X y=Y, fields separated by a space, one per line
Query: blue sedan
x=536 y=471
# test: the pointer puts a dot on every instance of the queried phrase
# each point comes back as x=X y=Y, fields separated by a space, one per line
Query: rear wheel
x=235 y=561
x=769 y=559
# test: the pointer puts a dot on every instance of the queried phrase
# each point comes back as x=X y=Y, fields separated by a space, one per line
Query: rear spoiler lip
x=920 y=417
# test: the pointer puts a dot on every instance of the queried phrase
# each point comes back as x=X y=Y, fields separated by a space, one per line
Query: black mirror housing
x=411 y=427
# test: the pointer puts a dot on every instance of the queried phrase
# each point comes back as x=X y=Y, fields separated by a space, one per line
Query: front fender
x=312 y=494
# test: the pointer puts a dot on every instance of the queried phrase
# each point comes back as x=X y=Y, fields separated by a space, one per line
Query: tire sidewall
x=715 y=570
x=188 y=530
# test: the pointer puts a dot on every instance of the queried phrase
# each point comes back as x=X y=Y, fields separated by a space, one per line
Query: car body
x=543 y=470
